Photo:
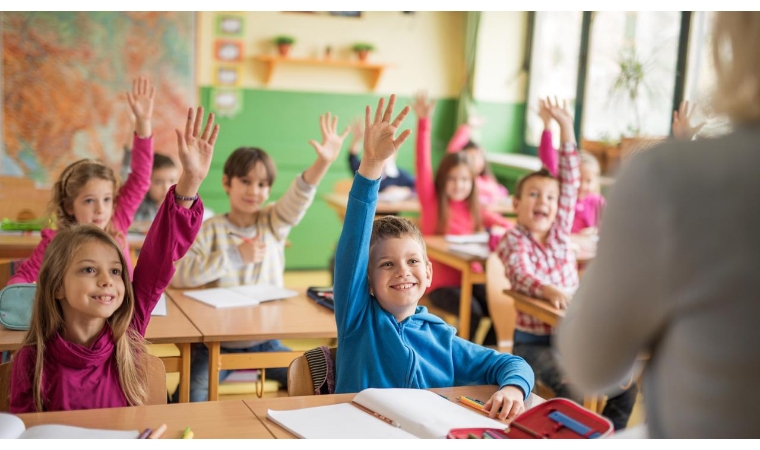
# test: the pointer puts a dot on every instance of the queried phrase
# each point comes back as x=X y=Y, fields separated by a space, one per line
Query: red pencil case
x=556 y=418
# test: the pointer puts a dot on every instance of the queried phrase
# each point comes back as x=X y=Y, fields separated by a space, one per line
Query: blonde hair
x=47 y=314
x=73 y=178
x=735 y=40
x=590 y=160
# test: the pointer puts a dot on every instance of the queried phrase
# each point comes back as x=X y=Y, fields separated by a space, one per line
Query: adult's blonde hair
x=735 y=42
x=47 y=314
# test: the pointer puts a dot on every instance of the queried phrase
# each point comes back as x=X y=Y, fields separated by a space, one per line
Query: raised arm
x=515 y=254
x=424 y=180
x=546 y=152
x=327 y=151
x=682 y=128
x=178 y=220
x=137 y=183
x=351 y=285
x=569 y=166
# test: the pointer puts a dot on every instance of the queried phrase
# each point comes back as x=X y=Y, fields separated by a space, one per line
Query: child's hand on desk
x=329 y=149
x=252 y=251
x=507 y=403
x=556 y=296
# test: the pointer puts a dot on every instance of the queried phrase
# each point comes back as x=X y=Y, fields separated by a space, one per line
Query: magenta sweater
x=128 y=200
x=460 y=219
x=77 y=377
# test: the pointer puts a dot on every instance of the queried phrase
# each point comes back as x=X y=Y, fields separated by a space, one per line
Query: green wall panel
x=282 y=123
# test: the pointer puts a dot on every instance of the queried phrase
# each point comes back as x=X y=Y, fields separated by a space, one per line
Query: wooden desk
x=225 y=419
x=339 y=202
x=16 y=244
x=540 y=309
x=292 y=318
x=174 y=328
x=260 y=406
x=438 y=249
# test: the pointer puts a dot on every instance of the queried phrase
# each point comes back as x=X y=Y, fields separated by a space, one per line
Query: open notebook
x=247 y=295
x=418 y=413
x=12 y=427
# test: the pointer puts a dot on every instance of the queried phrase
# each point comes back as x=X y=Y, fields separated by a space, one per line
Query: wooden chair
x=500 y=305
x=310 y=369
x=156 y=382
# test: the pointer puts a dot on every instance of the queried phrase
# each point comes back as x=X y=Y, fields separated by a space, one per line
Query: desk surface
x=223 y=419
x=260 y=406
x=173 y=328
x=292 y=318
x=538 y=308
x=440 y=248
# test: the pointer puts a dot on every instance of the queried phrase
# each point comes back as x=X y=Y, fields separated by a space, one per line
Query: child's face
x=478 y=161
x=537 y=206
x=459 y=183
x=93 y=287
x=398 y=275
x=94 y=203
x=160 y=182
x=249 y=193
x=589 y=181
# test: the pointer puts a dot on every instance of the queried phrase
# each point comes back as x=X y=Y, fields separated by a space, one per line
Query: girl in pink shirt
x=87 y=192
x=449 y=204
x=86 y=336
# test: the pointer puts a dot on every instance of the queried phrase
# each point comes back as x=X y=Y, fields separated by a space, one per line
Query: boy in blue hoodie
x=381 y=272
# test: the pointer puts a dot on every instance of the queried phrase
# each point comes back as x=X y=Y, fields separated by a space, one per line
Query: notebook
x=383 y=414
x=12 y=427
x=247 y=295
x=160 y=308
x=322 y=295
x=476 y=238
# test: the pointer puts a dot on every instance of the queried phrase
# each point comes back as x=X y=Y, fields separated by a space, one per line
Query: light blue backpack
x=16 y=303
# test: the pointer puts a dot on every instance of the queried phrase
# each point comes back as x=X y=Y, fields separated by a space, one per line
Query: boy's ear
x=226 y=183
x=429 y=273
x=515 y=202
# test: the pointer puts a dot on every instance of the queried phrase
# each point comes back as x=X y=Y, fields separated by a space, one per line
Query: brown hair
x=162 y=161
x=735 y=40
x=543 y=173
x=473 y=146
x=396 y=227
x=73 y=178
x=47 y=315
x=243 y=159
x=449 y=162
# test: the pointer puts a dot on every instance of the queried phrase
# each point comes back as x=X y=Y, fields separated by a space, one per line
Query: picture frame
x=230 y=25
x=228 y=51
x=227 y=76
x=226 y=102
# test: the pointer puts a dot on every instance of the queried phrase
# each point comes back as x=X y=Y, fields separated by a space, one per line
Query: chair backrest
x=312 y=368
x=500 y=305
x=156 y=382
x=5 y=386
x=156 y=374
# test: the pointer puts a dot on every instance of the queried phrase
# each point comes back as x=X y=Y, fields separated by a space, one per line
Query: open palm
x=379 y=135
x=141 y=98
x=195 y=149
x=329 y=149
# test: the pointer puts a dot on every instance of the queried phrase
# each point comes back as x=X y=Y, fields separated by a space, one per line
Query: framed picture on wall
x=228 y=75
x=226 y=102
x=228 y=50
x=229 y=25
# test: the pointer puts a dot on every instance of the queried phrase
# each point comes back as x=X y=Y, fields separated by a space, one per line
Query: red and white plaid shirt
x=530 y=265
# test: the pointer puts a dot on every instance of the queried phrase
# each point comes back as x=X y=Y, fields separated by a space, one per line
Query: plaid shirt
x=530 y=265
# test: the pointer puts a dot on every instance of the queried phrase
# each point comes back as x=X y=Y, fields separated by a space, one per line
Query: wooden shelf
x=271 y=61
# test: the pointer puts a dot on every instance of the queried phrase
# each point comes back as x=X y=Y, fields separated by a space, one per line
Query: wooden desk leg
x=465 y=301
x=184 y=372
x=214 y=366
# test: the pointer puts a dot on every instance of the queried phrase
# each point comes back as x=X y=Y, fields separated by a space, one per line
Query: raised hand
x=422 y=105
x=561 y=114
x=329 y=149
x=357 y=135
x=544 y=113
x=195 y=151
x=681 y=118
x=380 y=142
x=141 y=102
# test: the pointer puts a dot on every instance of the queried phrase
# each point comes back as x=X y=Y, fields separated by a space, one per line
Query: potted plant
x=283 y=44
x=362 y=49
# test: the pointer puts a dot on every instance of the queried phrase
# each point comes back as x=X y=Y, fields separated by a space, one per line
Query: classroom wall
x=423 y=50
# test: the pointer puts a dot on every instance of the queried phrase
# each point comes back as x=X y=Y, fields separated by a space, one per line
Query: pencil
x=158 y=432
x=145 y=434
x=246 y=239
x=379 y=416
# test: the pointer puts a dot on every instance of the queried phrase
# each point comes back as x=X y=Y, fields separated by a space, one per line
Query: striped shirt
x=530 y=265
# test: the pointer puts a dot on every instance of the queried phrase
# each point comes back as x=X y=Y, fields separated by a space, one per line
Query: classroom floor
x=305 y=279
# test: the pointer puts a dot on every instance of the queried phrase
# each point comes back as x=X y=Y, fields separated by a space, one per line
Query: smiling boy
x=385 y=339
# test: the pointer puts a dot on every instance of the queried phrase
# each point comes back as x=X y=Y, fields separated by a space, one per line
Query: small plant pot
x=283 y=49
x=362 y=54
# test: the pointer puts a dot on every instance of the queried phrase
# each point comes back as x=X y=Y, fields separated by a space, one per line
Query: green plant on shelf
x=284 y=40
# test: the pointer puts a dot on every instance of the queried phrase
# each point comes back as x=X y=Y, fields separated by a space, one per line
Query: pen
x=188 y=434
x=158 y=432
x=145 y=434
x=379 y=416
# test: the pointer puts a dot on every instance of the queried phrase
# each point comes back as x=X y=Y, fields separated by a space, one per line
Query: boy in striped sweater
x=247 y=245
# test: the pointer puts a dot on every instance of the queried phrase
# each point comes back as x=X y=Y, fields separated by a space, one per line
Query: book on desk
x=12 y=427
x=383 y=414
x=246 y=295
